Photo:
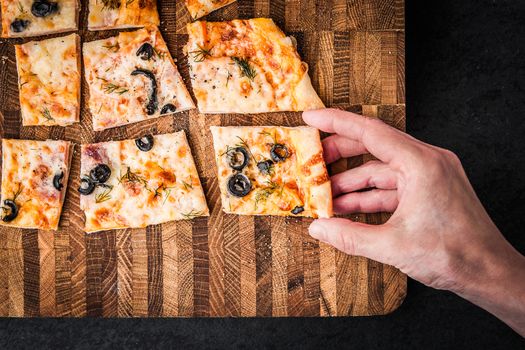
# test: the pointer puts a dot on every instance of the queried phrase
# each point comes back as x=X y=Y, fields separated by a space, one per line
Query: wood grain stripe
x=94 y=258
x=16 y=280
x=248 y=273
x=262 y=8
x=373 y=68
x=31 y=273
x=232 y=265
x=292 y=12
x=341 y=70
x=216 y=233
x=47 y=265
x=295 y=267
x=389 y=71
x=139 y=272
x=263 y=249
x=328 y=280
x=170 y=271
x=311 y=273
x=185 y=265
x=278 y=12
x=401 y=98
x=4 y=278
x=357 y=67
x=155 y=288
x=201 y=264
x=109 y=287
x=245 y=9
x=124 y=273
x=280 y=251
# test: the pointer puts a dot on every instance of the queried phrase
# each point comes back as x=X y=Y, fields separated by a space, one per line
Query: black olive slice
x=279 y=152
x=239 y=185
x=168 y=108
x=87 y=186
x=145 y=51
x=238 y=158
x=19 y=25
x=100 y=173
x=297 y=210
x=145 y=143
x=153 y=104
x=13 y=210
x=57 y=181
x=43 y=8
x=265 y=166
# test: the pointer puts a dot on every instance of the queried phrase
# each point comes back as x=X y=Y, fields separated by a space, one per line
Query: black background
x=465 y=92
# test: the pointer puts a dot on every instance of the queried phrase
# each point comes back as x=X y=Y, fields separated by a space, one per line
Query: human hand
x=439 y=232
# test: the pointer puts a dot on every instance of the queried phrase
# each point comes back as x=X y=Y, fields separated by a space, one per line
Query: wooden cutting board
x=224 y=265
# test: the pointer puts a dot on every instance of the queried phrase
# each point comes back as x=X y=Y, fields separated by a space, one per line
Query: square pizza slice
x=49 y=92
x=136 y=183
x=247 y=66
x=117 y=14
x=272 y=171
x=23 y=18
x=34 y=182
x=199 y=8
x=131 y=78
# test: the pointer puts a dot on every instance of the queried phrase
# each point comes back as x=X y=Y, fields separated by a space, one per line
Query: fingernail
x=317 y=230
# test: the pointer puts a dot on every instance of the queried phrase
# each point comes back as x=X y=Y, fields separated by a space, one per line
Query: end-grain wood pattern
x=224 y=265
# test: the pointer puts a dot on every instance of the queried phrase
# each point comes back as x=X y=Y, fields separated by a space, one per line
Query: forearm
x=500 y=287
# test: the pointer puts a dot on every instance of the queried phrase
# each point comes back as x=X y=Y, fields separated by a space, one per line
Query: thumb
x=350 y=237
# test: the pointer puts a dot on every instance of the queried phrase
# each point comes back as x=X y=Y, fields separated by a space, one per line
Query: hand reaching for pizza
x=439 y=233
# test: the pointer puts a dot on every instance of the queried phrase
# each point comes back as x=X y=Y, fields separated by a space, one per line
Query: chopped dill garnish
x=244 y=144
x=273 y=137
x=187 y=186
x=104 y=195
x=132 y=177
x=246 y=69
x=201 y=54
x=46 y=114
x=192 y=214
x=167 y=192
x=228 y=78
x=21 y=7
x=110 y=88
x=112 y=47
x=129 y=2
x=17 y=193
x=263 y=194
x=160 y=55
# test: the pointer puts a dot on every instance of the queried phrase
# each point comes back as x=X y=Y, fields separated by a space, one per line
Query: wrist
x=498 y=285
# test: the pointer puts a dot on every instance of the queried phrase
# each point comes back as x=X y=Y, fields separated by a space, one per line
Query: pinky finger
x=374 y=201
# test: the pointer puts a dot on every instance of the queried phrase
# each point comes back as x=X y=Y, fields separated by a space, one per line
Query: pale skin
x=439 y=233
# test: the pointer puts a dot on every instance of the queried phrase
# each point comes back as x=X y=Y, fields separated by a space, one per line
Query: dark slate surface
x=465 y=88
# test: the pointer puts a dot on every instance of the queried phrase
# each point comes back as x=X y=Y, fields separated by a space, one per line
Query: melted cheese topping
x=199 y=8
x=289 y=184
x=115 y=96
x=65 y=19
x=49 y=92
x=28 y=169
x=106 y=14
x=145 y=188
x=247 y=66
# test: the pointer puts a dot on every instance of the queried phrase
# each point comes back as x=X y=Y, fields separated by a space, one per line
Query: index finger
x=383 y=141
